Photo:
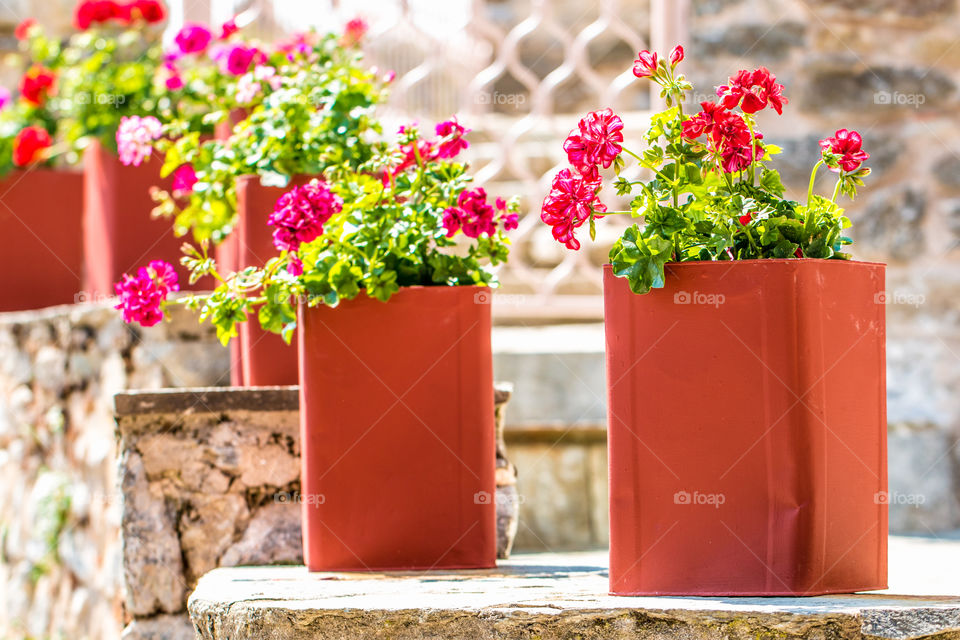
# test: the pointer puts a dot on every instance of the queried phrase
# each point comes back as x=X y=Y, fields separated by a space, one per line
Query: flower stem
x=753 y=151
x=645 y=164
x=813 y=178
x=836 y=190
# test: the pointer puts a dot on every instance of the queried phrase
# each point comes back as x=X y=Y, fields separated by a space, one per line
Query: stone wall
x=209 y=478
x=59 y=508
x=204 y=485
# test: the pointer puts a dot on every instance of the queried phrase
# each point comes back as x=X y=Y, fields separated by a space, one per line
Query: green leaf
x=640 y=260
x=770 y=181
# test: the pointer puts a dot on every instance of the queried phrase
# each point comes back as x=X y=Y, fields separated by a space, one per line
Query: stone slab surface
x=545 y=596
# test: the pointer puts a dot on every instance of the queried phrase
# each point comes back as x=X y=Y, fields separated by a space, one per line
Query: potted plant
x=384 y=275
x=33 y=189
x=745 y=353
x=308 y=106
x=108 y=71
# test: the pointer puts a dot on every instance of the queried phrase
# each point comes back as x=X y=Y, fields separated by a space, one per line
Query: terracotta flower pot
x=259 y=358
x=42 y=256
x=119 y=233
x=747 y=430
x=397 y=432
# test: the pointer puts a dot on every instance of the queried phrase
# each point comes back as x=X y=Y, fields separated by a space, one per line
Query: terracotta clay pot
x=119 y=233
x=747 y=429
x=41 y=222
x=259 y=358
x=397 y=432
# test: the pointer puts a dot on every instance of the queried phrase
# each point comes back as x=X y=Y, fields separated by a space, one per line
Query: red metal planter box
x=260 y=358
x=119 y=234
x=42 y=256
x=747 y=429
x=397 y=432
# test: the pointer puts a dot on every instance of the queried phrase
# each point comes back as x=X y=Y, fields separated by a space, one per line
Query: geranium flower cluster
x=90 y=13
x=843 y=151
x=416 y=150
x=475 y=216
x=196 y=42
x=142 y=295
x=30 y=145
x=299 y=216
x=712 y=196
x=36 y=85
x=135 y=137
x=596 y=142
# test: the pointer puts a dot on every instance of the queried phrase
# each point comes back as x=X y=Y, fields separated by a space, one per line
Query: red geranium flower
x=22 y=32
x=152 y=11
x=731 y=130
x=676 y=56
x=29 y=145
x=473 y=214
x=646 y=64
x=90 y=12
x=570 y=203
x=354 y=31
x=599 y=142
x=737 y=157
x=452 y=140
x=846 y=146
x=36 y=85
x=704 y=122
x=228 y=28
x=752 y=91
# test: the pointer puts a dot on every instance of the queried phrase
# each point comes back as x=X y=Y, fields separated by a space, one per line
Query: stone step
x=543 y=596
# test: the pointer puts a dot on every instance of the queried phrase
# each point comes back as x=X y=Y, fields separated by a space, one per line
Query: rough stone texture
x=60 y=507
x=545 y=596
x=162 y=627
x=212 y=475
x=210 y=478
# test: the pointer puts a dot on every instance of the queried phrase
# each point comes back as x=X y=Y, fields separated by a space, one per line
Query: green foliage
x=315 y=119
x=105 y=76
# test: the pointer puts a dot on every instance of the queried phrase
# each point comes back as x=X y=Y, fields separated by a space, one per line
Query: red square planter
x=259 y=358
x=747 y=429
x=40 y=217
x=397 y=432
x=119 y=233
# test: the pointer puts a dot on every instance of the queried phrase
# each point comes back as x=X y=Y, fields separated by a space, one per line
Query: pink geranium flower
x=846 y=146
x=193 y=38
x=135 y=137
x=183 y=179
x=142 y=295
x=452 y=140
x=299 y=214
x=570 y=203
